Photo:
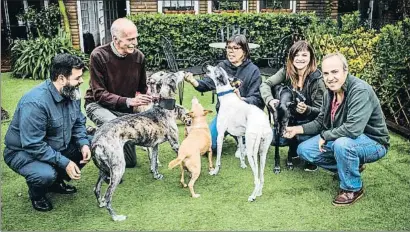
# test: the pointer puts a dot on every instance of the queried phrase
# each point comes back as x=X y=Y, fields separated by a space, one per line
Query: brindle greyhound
x=148 y=129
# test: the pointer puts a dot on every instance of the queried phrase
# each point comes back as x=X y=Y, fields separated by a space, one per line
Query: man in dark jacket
x=237 y=65
x=46 y=141
x=351 y=126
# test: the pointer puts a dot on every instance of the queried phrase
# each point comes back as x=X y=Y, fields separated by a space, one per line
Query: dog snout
x=194 y=100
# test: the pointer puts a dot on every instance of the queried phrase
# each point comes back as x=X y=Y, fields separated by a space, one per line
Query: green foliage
x=191 y=34
x=380 y=58
x=46 y=22
x=32 y=58
x=229 y=5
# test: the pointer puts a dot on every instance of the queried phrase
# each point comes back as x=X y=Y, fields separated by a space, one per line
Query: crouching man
x=46 y=141
x=351 y=127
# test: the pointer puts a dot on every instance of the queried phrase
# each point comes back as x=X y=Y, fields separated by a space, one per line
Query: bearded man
x=46 y=141
x=117 y=73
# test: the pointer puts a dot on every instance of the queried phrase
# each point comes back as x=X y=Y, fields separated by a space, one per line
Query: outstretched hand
x=273 y=103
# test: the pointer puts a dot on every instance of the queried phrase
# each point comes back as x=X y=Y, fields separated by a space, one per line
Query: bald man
x=117 y=72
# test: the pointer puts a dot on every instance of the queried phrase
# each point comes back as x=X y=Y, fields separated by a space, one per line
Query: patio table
x=223 y=44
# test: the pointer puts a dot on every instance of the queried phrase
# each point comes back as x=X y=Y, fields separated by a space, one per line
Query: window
x=226 y=5
x=269 y=5
x=178 y=5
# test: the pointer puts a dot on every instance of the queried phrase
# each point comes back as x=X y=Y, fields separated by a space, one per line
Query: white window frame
x=292 y=6
x=160 y=4
x=245 y=5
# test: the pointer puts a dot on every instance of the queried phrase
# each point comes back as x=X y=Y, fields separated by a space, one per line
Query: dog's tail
x=174 y=163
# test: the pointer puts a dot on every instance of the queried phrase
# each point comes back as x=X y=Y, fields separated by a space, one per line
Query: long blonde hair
x=291 y=71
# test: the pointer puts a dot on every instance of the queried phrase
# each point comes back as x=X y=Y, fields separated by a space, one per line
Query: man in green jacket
x=351 y=127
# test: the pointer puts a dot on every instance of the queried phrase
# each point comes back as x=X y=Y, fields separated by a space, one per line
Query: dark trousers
x=40 y=175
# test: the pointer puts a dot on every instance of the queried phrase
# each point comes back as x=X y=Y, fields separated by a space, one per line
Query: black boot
x=61 y=187
x=39 y=200
x=41 y=204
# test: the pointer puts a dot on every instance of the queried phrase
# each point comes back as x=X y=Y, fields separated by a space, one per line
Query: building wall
x=203 y=6
x=143 y=6
x=319 y=6
x=252 y=6
x=71 y=8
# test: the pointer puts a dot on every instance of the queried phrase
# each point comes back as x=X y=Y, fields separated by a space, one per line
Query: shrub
x=32 y=58
x=191 y=34
x=44 y=22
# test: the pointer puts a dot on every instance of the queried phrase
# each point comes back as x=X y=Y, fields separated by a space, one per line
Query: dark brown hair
x=291 y=71
x=242 y=42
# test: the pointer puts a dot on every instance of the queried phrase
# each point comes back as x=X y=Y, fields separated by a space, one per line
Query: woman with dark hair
x=237 y=65
x=301 y=74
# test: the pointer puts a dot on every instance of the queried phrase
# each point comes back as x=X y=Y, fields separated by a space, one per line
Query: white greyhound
x=241 y=119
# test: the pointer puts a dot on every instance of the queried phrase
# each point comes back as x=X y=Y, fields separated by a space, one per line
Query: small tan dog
x=197 y=143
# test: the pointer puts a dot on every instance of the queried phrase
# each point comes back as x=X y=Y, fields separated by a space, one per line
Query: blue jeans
x=214 y=134
x=344 y=155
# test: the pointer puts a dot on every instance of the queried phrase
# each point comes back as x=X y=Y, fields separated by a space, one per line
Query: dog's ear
x=190 y=114
x=207 y=112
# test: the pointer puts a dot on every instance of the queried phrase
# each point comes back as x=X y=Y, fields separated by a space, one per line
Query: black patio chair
x=172 y=62
x=280 y=53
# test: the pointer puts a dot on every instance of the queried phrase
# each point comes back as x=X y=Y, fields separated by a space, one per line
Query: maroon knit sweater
x=113 y=79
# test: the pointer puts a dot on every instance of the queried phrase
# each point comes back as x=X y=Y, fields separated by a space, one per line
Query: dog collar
x=168 y=104
x=225 y=92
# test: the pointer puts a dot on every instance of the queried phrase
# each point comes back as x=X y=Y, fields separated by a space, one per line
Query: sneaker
x=309 y=167
x=345 y=198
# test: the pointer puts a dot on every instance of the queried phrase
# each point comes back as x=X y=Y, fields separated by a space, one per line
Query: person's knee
x=44 y=177
x=342 y=144
x=305 y=150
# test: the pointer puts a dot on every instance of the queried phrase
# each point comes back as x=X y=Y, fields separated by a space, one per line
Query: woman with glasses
x=239 y=65
x=301 y=73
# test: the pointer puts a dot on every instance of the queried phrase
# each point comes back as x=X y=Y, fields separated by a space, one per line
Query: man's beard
x=71 y=92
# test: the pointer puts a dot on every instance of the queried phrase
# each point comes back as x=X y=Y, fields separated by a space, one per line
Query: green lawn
x=292 y=200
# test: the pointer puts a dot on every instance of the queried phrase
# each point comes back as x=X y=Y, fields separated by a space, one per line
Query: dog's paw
x=196 y=195
x=251 y=198
x=238 y=153
x=214 y=172
x=276 y=170
x=158 y=176
x=243 y=165
x=159 y=164
x=102 y=204
x=289 y=165
x=119 y=218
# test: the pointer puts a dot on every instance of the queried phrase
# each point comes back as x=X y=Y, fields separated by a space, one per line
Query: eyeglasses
x=233 y=48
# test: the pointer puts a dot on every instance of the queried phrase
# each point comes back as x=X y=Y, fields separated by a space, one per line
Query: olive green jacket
x=359 y=113
x=313 y=90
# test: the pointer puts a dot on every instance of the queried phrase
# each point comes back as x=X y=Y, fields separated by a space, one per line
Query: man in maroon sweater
x=117 y=72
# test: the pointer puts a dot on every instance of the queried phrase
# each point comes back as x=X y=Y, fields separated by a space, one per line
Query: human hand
x=73 y=171
x=322 y=144
x=291 y=131
x=301 y=107
x=273 y=103
x=189 y=77
x=85 y=150
x=238 y=94
x=139 y=100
